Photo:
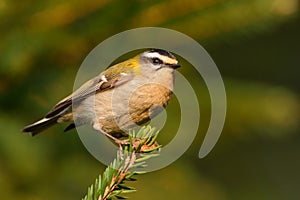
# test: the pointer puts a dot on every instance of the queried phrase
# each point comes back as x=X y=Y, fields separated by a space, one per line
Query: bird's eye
x=156 y=61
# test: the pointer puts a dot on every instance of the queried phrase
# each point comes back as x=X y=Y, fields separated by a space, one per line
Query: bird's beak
x=175 y=66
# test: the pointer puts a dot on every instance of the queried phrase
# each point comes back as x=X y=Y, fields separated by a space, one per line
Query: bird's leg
x=116 y=140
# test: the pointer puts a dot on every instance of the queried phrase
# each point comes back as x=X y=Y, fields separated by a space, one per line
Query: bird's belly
x=120 y=110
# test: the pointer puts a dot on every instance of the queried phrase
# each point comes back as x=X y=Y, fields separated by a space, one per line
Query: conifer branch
x=111 y=184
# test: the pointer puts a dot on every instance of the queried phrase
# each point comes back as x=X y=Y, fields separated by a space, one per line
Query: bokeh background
x=255 y=44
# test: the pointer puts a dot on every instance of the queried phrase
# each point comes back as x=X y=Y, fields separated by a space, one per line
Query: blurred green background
x=255 y=44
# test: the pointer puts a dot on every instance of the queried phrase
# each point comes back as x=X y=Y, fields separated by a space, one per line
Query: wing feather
x=95 y=85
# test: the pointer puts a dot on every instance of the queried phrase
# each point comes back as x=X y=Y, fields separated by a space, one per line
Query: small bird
x=123 y=96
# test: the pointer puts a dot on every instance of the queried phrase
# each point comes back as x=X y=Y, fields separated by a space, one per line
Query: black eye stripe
x=156 y=61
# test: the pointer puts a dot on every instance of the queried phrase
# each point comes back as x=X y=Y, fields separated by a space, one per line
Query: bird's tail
x=40 y=125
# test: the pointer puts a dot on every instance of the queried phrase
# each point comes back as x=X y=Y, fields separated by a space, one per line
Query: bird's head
x=158 y=59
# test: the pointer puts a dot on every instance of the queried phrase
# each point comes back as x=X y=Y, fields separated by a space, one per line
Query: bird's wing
x=98 y=84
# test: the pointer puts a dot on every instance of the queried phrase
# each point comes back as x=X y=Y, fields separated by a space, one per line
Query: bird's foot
x=121 y=142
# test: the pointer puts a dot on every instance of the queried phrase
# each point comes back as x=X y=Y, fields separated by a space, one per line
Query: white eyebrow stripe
x=165 y=59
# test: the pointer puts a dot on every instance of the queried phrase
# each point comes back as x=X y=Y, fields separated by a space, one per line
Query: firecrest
x=123 y=96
